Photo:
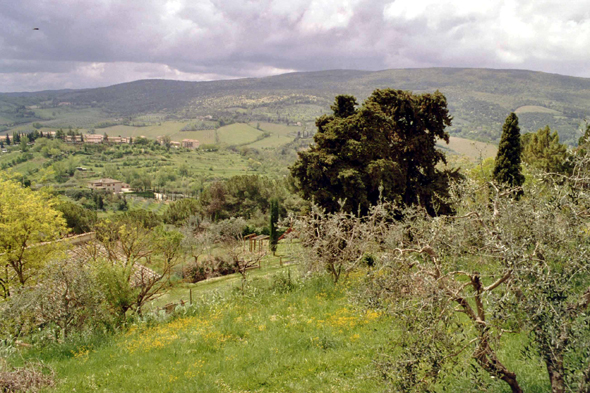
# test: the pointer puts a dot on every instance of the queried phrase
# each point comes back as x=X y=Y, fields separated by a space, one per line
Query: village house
x=93 y=138
x=190 y=143
x=118 y=139
x=109 y=185
x=73 y=139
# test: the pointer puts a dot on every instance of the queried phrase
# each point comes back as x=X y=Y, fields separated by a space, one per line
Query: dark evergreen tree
x=386 y=148
x=507 y=169
x=8 y=140
x=274 y=218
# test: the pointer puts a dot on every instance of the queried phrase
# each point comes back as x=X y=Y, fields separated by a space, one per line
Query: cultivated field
x=472 y=149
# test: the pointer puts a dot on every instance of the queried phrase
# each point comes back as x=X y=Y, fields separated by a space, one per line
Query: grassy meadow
x=274 y=338
x=282 y=334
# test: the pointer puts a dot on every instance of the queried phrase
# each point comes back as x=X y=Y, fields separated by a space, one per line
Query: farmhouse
x=190 y=143
x=118 y=139
x=73 y=139
x=93 y=138
x=109 y=185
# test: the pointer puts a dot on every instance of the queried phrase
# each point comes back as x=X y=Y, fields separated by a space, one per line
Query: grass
x=274 y=338
x=272 y=141
x=204 y=136
x=238 y=134
x=278 y=129
x=152 y=131
x=283 y=334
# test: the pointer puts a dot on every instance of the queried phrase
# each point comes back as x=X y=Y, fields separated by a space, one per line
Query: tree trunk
x=555 y=370
x=486 y=358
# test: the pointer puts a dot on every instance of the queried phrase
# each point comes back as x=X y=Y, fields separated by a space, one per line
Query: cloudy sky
x=90 y=43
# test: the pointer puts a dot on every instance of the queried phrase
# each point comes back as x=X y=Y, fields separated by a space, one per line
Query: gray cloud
x=88 y=43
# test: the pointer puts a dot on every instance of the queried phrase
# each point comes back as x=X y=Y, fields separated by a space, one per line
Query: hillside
x=479 y=100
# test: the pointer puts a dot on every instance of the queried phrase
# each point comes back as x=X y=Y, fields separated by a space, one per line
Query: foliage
x=27 y=218
x=584 y=140
x=337 y=242
x=385 y=149
x=67 y=297
x=505 y=276
x=543 y=151
x=178 y=212
x=507 y=170
x=78 y=219
x=128 y=285
x=208 y=267
x=229 y=233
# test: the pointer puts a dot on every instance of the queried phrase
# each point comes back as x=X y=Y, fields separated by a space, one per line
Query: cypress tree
x=507 y=169
x=274 y=218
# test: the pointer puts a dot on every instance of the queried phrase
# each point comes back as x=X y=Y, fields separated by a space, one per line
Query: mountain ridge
x=479 y=99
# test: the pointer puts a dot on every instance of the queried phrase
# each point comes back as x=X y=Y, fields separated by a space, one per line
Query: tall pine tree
x=507 y=168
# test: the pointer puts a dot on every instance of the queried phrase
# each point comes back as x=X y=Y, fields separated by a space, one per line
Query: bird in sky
x=35 y=28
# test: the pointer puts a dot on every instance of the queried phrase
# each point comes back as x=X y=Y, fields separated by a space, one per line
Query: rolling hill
x=479 y=99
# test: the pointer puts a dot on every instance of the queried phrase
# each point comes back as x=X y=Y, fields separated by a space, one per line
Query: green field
x=204 y=136
x=278 y=129
x=238 y=134
x=271 y=142
x=152 y=131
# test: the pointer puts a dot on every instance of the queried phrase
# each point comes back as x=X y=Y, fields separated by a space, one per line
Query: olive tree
x=501 y=266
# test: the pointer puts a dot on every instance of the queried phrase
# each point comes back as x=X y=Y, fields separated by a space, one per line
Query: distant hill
x=479 y=99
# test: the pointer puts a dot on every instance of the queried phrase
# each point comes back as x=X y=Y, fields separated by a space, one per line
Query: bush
x=194 y=272
x=30 y=378
x=207 y=268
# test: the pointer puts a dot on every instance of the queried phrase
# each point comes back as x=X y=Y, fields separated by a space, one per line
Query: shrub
x=194 y=272
x=30 y=378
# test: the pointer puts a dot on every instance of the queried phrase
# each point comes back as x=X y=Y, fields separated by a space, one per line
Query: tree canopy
x=542 y=150
x=27 y=218
x=385 y=148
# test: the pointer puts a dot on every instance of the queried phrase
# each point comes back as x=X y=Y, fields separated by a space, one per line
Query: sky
x=92 y=43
